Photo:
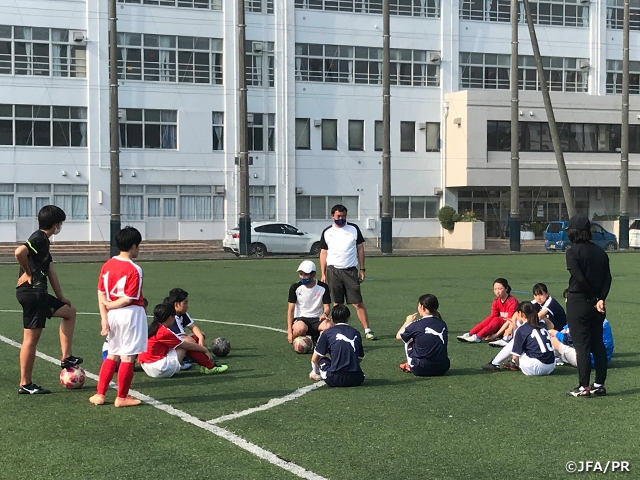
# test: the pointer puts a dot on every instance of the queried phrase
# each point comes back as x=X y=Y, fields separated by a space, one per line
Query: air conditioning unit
x=299 y=190
x=122 y=115
x=317 y=123
x=256 y=47
x=77 y=37
x=437 y=191
x=583 y=63
x=422 y=126
x=219 y=189
x=434 y=58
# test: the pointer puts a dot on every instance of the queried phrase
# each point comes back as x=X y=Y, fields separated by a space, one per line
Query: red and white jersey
x=504 y=309
x=159 y=345
x=120 y=277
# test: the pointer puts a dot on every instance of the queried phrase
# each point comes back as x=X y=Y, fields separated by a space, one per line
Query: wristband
x=362 y=269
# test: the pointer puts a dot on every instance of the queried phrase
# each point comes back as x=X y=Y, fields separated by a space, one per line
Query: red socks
x=107 y=370
x=125 y=375
x=200 y=358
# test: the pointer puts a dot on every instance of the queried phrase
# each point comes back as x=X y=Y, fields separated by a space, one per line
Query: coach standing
x=341 y=250
x=589 y=286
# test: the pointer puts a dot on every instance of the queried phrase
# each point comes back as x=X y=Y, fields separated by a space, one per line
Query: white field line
x=279 y=330
x=185 y=417
x=274 y=402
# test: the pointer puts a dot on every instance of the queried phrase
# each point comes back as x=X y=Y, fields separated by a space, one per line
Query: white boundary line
x=210 y=425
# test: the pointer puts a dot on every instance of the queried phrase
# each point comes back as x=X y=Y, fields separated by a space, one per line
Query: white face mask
x=57 y=230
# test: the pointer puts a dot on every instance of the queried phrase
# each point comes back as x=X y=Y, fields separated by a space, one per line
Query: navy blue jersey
x=344 y=345
x=555 y=312
x=429 y=337
x=182 y=321
x=535 y=342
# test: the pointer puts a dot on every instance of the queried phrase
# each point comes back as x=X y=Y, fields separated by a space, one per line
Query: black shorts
x=344 y=284
x=37 y=306
x=339 y=379
x=312 y=326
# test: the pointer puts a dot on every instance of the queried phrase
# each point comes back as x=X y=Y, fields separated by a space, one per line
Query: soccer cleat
x=32 y=389
x=580 y=392
x=511 y=366
x=97 y=399
x=126 y=402
x=209 y=371
x=490 y=367
x=370 y=335
x=597 y=391
x=185 y=365
x=472 y=339
x=498 y=343
x=70 y=362
x=405 y=367
x=315 y=376
x=463 y=338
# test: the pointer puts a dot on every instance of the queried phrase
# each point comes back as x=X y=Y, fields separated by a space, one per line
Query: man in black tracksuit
x=589 y=286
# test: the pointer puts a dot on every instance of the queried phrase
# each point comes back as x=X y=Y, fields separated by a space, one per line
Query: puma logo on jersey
x=340 y=336
x=431 y=331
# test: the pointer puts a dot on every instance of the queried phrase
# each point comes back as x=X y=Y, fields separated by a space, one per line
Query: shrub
x=448 y=217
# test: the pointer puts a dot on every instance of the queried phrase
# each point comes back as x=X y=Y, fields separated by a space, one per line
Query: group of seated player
x=533 y=334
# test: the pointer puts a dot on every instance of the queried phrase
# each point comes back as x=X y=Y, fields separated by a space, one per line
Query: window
x=379 y=136
x=131 y=202
x=262 y=202
x=414 y=207
x=198 y=203
x=407 y=136
x=149 y=129
x=303 y=134
x=432 y=132
x=424 y=8
x=205 y=4
x=73 y=199
x=484 y=70
x=34 y=126
x=167 y=58
x=259 y=64
x=218 y=130
x=257 y=131
x=571 y=13
x=319 y=207
x=346 y=64
x=356 y=134
x=614 y=76
x=6 y=201
x=615 y=14
x=329 y=134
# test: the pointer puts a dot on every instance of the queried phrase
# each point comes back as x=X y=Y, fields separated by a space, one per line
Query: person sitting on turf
x=532 y=350
x=308 y=308
x=425 y=337
x=339 y=352
x=165 y=349
x=502 y=309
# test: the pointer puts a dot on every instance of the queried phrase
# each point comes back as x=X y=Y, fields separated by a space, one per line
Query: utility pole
x=553 y=128
x=386 y=222
x=623 y=234
x=514 y=217
x=243 y=181
x=114 y=127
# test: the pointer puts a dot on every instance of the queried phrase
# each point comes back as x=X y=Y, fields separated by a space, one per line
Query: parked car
x=634 y=234
x=555 y=237
x=273 y=237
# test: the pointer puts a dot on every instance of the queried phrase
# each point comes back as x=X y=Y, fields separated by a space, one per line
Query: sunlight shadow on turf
x=633 y=391
x=617 y=364
x=377 y=382
x=457 y=372
x=216 y=395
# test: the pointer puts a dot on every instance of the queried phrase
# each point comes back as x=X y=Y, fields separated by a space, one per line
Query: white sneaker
x=315 y=376
x=473 y=339
x=463 y=338
x=498 y=343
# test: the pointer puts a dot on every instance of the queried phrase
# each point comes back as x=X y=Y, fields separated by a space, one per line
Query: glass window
x=303 y=133
x=329 y=134
x=407 y=136
x=356 y=134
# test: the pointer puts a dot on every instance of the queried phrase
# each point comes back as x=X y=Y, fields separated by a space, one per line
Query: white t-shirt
x=309 y=300
x=341 y=243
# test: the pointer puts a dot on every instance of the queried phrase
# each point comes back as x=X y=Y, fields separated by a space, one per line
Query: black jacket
x=588 y=265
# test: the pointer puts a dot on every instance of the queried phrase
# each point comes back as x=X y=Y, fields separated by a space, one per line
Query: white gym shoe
x=315 y=376
x=473 y=339
x=498 y=343
x=463 y=338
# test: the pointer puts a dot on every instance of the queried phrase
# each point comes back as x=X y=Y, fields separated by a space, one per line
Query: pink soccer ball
x=302 y=345
x=72 y=377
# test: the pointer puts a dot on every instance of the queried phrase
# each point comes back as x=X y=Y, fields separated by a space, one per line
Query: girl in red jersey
x=502 y=310
x=165 y=349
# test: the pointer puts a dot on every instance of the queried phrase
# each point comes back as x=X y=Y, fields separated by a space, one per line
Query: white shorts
x=567 y=354
x=533 y=366
x=163 y=368
x=128 y=330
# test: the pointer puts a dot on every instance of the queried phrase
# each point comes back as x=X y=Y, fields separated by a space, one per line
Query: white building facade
x=315 y=111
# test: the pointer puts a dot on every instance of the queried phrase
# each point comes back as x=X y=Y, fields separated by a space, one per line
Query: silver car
x=273 y=237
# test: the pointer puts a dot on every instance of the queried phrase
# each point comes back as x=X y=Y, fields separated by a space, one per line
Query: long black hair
x=430 y=302
x=527 y=309
x=161 y=313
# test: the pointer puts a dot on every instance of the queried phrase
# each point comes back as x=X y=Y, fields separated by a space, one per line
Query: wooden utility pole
x=514 y=216
x=623 y=233
x=386 y=221
x=244 y=222
x=114 y=128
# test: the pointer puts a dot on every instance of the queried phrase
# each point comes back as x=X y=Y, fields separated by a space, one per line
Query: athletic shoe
x=597 y=391
x=126 y=402
x=315 y=376
x=498 y=343
x=405 y=367
x=463 y=338
x=511 y=366
x=472 y=339
x=97 y=399
x=490 y=367
x=370 y=335
x=32 y=389
x=70 y=362
x=580 y=392
x=184 y=365
x=209 y=371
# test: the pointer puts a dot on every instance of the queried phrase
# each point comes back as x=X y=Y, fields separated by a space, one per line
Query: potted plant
x=525 y=231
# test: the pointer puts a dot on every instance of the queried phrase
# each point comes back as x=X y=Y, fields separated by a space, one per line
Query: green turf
x=468 y=424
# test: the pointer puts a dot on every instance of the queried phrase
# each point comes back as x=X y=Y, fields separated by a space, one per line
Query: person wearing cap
x=589 y=286
x=308 y=310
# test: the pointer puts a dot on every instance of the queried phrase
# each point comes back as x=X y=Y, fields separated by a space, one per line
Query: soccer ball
x=72 y=377
x=220 y=347
x=302 y=345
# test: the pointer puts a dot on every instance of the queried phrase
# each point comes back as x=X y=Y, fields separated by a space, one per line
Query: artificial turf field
x=467 y=424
